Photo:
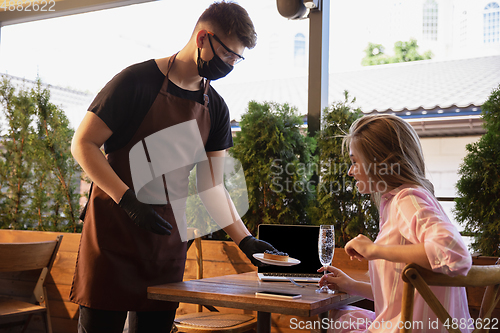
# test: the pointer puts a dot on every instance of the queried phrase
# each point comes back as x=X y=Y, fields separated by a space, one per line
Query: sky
x=85 y=51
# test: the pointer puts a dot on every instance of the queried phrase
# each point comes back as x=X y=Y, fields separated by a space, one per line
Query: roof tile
x=417 y=85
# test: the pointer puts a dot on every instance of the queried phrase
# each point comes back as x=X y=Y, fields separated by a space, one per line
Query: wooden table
x=238 y=291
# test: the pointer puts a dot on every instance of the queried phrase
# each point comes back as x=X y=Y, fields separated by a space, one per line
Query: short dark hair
x=230 y=18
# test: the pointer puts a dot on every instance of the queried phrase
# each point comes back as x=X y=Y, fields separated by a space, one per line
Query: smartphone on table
x=277 y=294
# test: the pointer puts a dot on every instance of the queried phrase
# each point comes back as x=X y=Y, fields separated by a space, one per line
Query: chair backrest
x=490 y=298
x=15 y=257
x=194 y=235
x=420 y=278
x=29 y=256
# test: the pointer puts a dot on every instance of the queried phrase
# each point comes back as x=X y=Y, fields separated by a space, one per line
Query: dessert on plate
x=276 y=255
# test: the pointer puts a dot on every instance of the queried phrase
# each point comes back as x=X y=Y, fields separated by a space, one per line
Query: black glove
x=143 y=215
x=250 y=245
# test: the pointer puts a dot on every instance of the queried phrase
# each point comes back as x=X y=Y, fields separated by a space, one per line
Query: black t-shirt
x=125 y=100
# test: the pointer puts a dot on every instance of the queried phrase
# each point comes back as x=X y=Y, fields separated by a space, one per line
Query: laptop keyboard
x=293 y=275
x=297 y=277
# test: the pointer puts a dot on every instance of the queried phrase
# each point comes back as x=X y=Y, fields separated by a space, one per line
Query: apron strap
x=170 y=62
x=84 y=211
x=164 y=86
x=205 y=92
x=165 y=82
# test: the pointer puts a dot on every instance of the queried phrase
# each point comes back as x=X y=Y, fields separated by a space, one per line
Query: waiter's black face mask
x=215 y=68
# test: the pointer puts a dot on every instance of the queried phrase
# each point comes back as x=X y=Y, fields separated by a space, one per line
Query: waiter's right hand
x=143 y=214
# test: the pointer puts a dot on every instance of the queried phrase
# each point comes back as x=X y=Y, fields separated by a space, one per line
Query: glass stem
x=324 y=273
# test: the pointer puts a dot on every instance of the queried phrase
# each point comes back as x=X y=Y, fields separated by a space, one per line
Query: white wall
x=443 y=157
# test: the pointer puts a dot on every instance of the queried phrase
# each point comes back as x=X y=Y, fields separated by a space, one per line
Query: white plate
x=290 y=262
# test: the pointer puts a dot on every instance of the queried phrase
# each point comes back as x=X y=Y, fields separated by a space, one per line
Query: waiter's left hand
x=250 y=245
x=143 y=215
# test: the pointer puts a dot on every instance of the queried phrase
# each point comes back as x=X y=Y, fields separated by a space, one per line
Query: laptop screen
x=299 y=241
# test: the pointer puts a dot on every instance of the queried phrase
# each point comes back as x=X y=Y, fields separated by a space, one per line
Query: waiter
x=128 y=243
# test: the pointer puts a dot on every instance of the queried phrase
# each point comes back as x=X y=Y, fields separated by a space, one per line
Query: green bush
x=478 y=205
x=38 y=175
x=281 y=167
x=403 y=52
x=276 y=157
x=338 y=200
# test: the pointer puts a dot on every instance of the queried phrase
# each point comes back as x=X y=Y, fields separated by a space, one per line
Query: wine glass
x=326 y=247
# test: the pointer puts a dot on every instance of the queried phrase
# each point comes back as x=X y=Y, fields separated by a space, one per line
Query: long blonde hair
x=393 y=149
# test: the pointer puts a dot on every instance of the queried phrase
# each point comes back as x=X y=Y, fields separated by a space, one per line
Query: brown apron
x=117 y=260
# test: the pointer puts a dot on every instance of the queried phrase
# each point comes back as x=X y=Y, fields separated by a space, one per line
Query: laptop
x=300 y=242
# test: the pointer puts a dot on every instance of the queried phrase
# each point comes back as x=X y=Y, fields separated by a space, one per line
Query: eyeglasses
x=225 y=53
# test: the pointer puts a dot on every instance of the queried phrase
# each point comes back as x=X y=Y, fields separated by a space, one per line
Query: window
x=430 y=20
x=299 y=50
x=463 y=28
x=491 y=19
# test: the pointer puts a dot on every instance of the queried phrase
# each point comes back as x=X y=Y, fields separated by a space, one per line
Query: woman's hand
x=336 y=279
x=360 y=248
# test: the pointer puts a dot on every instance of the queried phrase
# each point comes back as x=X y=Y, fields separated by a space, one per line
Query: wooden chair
x=212 y=321
x=27 y=258
x=420 y=278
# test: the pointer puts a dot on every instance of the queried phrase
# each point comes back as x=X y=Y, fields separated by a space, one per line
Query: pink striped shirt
x=411 y=215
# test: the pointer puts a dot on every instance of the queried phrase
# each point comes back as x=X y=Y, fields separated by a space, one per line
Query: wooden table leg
x=263 y=322
x=323 y=328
